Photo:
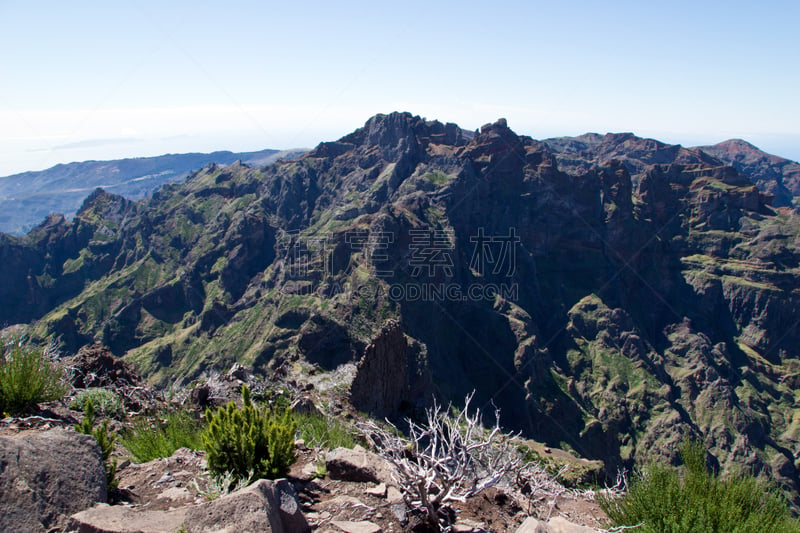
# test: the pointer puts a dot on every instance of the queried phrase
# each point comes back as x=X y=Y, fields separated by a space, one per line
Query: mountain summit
x=609 y=293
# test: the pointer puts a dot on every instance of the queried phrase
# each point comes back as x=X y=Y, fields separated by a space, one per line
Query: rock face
x=263 y=507
x=381 y=382
x=46 y=477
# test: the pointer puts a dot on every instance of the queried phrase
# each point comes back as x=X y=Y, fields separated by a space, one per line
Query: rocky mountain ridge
x=27 y=198
x=611 y=295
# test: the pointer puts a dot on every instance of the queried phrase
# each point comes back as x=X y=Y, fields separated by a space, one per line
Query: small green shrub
x=158 y=438
x=105 y=439
x=28 y=376
x=699 y=502
x=249 y=442
x=105 y=402
x=322 y=432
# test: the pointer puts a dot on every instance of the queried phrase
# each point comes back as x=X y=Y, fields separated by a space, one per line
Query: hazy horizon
x=129 y=150
x=98 y=80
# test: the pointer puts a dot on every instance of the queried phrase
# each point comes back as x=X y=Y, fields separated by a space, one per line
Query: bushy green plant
x=28 y=375
x=249 y=442
x=322 y=432
x=157 y=438
x=699 y=502
x=105 y=402
x=102 y=434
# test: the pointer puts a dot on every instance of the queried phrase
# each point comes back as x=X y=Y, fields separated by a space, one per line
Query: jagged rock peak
x=497 y=131
x=100 y=197
x=397 y=129
x=104 y=205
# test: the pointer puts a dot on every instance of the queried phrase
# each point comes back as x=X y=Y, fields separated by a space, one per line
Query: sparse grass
x=158 y=438
x=105 y=440
x=322 y=432
x=322 y=468
x=28 y=375
x=438 y=178
x=106 y=402
x=663 y=501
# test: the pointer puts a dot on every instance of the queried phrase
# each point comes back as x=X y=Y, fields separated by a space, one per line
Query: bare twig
x=447 y=459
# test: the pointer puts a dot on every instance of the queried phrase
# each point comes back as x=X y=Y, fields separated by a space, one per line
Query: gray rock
x=379 y=490
x=393 y=495
x=358 y=465
x=264 y=507
x=118 y=519
x=400 y=511
x=239 y=372
x=46 y=477
x=342 y=501
x=357 y=527
x=304 y=405
x=531 y=525
x=469 y=526
x=562 y=525
x=554 y=525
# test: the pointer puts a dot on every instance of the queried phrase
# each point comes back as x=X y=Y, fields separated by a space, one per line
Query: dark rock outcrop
x=96 y=366
x=381 y=382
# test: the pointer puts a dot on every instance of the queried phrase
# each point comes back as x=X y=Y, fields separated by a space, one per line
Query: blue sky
x=100 y=80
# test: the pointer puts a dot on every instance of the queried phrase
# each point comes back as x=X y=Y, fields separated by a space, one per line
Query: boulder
x=46 y=477
x=119 y=519
x=264 y=507
x=358 y=465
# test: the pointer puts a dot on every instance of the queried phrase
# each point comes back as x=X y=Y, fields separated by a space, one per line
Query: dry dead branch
x=446 y=459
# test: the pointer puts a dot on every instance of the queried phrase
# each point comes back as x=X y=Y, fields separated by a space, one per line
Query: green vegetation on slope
x=663 y=501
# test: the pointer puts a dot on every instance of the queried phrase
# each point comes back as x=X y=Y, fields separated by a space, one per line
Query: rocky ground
x=340 y=490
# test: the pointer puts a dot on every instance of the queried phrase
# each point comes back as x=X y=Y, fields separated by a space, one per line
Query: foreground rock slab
x=263 y=507
x=357 y=527
x=46 y=477
x=118 y=519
